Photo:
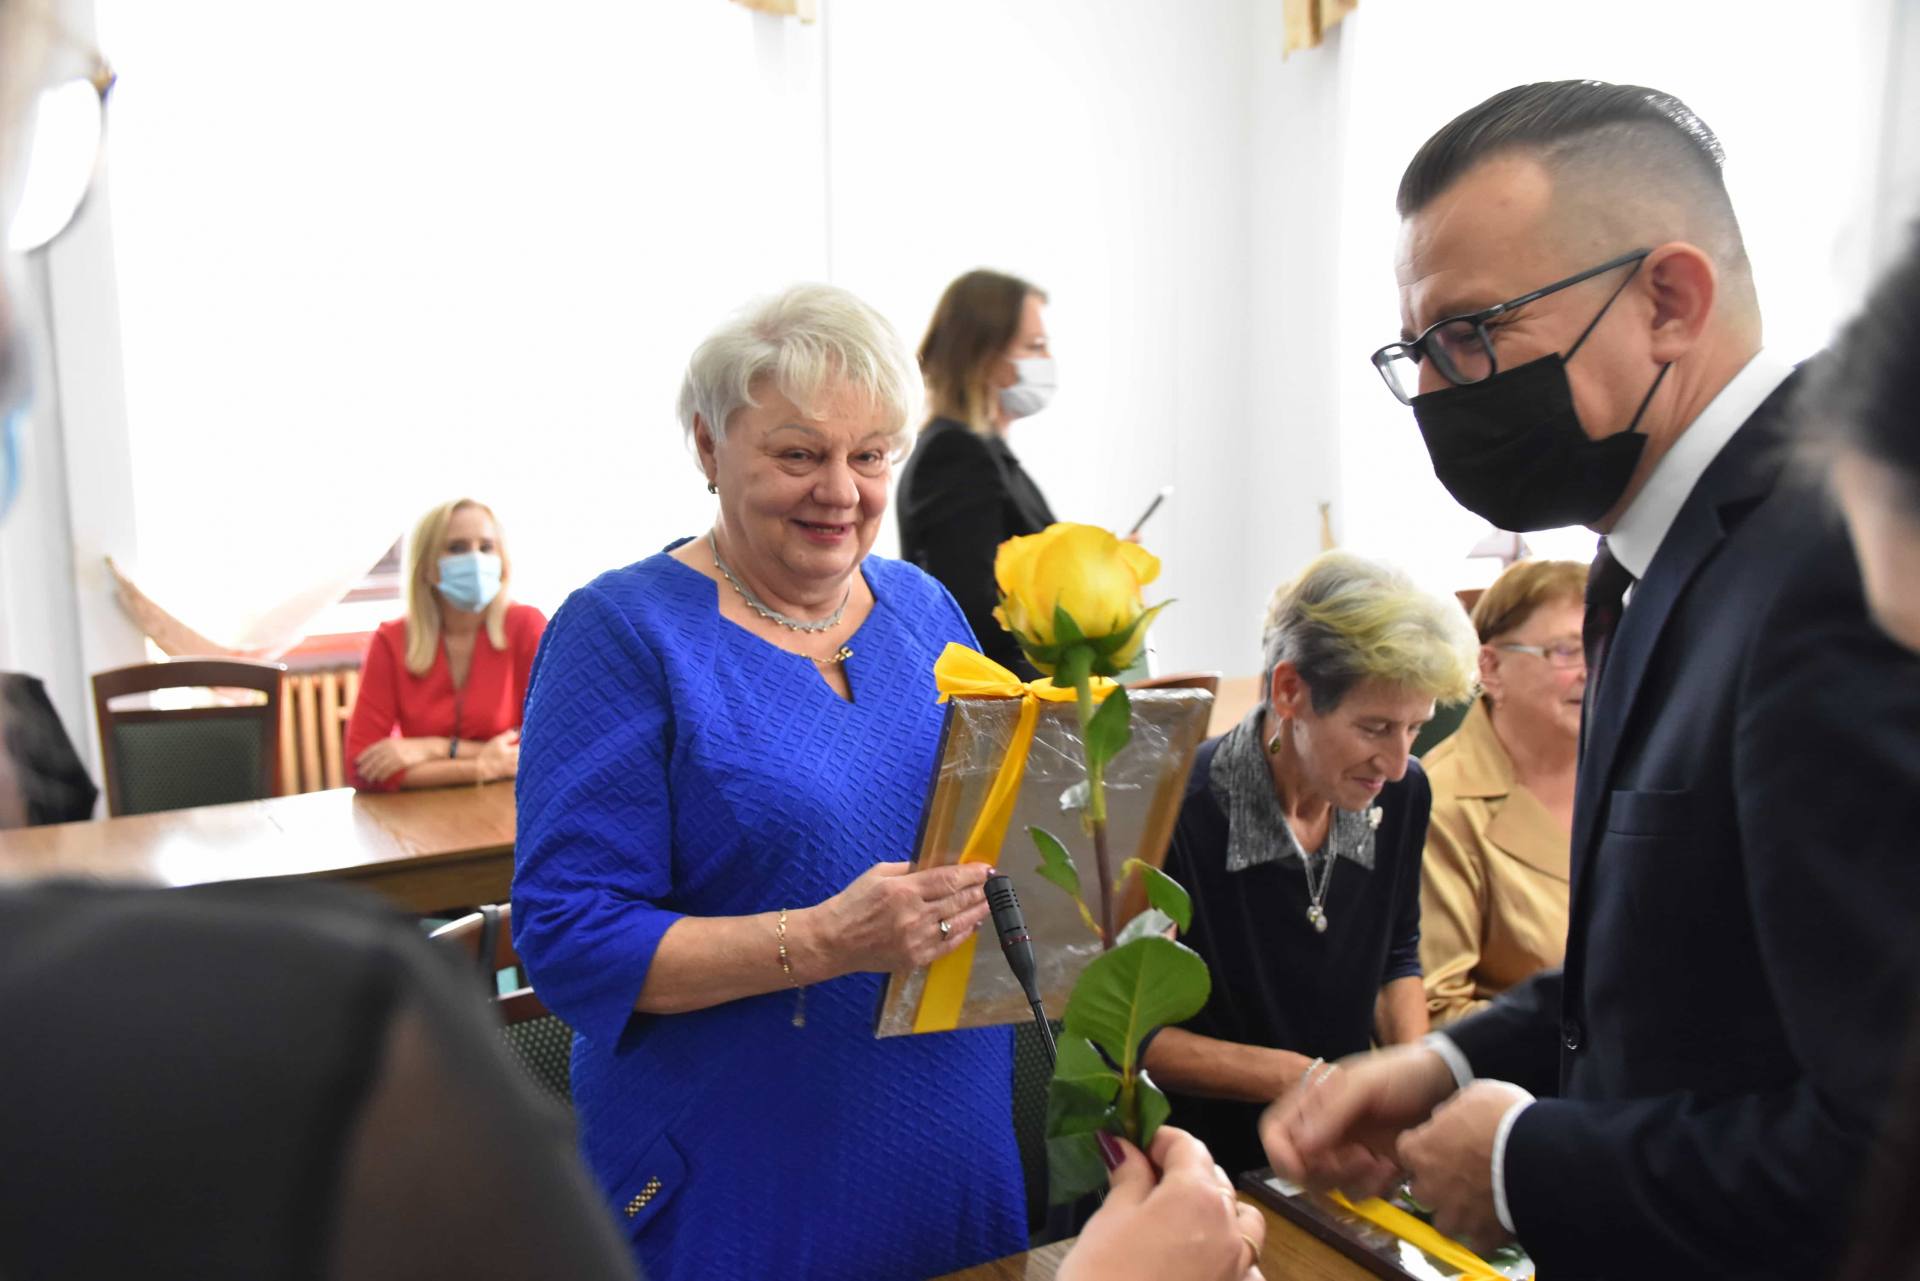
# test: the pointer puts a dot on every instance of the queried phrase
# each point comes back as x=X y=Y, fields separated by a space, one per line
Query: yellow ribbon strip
x=960 y=672
x=1421 y=1235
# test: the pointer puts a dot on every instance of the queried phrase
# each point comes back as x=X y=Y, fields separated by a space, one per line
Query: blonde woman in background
x=441 y=690
x=1495 y=878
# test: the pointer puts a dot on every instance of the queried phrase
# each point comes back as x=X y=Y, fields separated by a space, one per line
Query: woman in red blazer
x=438 y=706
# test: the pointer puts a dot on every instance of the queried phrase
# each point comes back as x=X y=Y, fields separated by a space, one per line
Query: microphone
x=1011 y=925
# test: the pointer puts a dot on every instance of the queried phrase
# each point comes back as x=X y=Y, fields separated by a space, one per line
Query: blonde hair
x=1345 y=620
x=804 y=340
x=1524 y=587
x=423 y=563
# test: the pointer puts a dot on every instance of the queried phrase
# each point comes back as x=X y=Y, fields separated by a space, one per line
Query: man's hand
x=1451 y=1160
x=1338 y=1128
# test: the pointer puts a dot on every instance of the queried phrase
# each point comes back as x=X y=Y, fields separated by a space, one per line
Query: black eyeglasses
x=1460 y=346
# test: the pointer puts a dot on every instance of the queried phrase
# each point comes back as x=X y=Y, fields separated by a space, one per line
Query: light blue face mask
x=10 y=420
x=15 y=397
x=470 y=580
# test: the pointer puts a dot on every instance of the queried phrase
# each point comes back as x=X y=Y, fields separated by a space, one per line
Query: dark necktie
x=1607 y=584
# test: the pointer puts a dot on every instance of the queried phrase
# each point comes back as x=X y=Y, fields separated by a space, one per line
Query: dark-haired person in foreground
x=1867 y=403
x=1696 y=1091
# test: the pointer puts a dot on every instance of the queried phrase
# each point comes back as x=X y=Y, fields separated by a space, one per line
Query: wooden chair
x=539 y=1041
x=1209 y=681
x=168 y=759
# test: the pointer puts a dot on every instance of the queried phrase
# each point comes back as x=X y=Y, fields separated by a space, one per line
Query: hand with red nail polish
x=1169 y=1219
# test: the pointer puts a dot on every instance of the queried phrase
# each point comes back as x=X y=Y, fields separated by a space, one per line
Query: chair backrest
x=1032 y=1070
x=1236 y=696
x=1446 y=719
x=167 y=759
x=1209 y=681
x=538 y=1039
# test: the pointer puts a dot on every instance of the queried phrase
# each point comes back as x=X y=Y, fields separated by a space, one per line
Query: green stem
x=1097 y=815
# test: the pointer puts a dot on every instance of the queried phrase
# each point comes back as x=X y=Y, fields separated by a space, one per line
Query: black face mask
x=1511 y=448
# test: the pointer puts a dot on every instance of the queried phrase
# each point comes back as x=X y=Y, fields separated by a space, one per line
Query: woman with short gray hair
x=1300 y=839
x=724 y=745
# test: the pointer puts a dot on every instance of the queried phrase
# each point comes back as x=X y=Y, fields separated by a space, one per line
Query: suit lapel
x=1745 y=471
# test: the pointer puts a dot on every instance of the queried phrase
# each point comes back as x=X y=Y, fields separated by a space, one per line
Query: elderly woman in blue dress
x=726 y=746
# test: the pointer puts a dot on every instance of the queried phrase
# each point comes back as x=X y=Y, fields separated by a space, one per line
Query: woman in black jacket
x=963 y=493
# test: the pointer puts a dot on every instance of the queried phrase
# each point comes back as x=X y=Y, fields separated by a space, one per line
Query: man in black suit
x=1696 y=1091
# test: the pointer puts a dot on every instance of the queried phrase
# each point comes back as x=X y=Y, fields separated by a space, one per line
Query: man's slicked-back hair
x=1555 y=118
x=1628 y=164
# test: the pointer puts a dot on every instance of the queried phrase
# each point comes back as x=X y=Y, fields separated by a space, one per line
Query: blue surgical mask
x=15 y=397
x=470 y=580
x=10 y=457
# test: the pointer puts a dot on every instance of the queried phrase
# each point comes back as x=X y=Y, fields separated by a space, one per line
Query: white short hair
x=1345 y=620
x=809 y=340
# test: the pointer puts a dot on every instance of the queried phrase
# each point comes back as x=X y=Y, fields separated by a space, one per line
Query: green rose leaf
x=1150 y=1106
x=1074 y=1168
x=1078 y=1062
x=1163 y=892
x=1109 y=729
x=1055 y=863
x=1151 y=921
x=1074 y=1109
x=1127 y=992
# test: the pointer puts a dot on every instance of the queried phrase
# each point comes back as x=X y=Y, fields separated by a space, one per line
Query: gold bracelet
x=800 y=993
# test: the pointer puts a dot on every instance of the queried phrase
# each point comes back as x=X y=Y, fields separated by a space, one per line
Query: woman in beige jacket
x=1494 y=880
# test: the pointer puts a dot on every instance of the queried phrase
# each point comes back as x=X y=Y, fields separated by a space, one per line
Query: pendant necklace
x=1317 y=898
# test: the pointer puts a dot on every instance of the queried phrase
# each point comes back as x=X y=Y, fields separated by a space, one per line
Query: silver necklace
x=766 y=611
x=1317 y=898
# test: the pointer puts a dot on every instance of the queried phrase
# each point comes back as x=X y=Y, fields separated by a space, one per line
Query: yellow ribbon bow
x=960 y=672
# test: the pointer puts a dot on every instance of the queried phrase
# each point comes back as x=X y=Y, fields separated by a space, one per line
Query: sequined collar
x=1257 y=830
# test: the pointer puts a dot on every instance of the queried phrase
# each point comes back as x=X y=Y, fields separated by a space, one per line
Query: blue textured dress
x=674 y=764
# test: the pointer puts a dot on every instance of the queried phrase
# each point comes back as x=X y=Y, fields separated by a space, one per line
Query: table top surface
x=1290 y=1252
x=317 y=834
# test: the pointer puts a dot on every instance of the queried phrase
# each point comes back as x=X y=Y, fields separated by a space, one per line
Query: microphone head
x=1008 y=920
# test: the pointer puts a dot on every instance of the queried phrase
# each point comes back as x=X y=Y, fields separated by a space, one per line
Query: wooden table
x=1291 y=1253
x=427 y=850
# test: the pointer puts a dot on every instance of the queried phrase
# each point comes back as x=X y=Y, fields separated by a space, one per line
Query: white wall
x=1796 y=96
x=481 y=269
x=368 y=256
x=1099 y=149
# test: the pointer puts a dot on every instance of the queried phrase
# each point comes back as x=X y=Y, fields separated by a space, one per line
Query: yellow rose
x=1081 y=569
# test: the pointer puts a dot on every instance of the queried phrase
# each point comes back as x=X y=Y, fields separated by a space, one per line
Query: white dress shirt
x=1637 y=535
x=1634 y=540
